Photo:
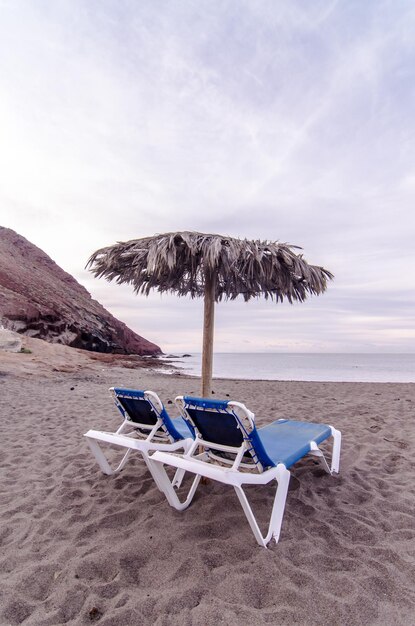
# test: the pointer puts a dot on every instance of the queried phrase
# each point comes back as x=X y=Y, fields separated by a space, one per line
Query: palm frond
x=180 y=262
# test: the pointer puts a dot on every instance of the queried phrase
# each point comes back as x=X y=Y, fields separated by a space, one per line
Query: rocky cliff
x=39 y=299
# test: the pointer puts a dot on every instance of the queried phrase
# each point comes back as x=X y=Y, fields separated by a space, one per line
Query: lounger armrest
x=214 y=472
x=136 y=444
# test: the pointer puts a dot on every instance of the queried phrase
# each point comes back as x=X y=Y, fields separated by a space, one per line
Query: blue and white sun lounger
x=146 y=427
x=230 y=449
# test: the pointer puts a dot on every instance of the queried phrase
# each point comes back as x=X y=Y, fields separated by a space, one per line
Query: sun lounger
x=146 y=427
x=230 y=449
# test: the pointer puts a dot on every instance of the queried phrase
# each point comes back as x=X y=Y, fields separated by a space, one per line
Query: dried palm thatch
x=213 y=266
x=181 y=263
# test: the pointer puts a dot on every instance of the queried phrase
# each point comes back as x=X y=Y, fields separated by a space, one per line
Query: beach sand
x=78 y=547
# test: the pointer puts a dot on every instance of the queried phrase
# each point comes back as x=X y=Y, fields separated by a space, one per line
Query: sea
x=379 y=368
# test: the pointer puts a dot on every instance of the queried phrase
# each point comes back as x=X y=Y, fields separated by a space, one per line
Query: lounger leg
x=162 y=479
x=155 y=476
x=278 y=507
x=315 y=451
x=277 y=513
x=178 y=478
x=107 y=469
x=180 y=473
x=102 y=459
x=337 y=442
x=335 y=455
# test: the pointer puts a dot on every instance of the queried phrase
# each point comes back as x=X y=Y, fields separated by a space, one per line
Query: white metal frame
x=208 y=465
x=135 y=440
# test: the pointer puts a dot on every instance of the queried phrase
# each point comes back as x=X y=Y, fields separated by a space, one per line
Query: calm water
x=313 y=367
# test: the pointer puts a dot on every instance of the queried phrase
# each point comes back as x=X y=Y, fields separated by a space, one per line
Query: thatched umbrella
x=212 y=266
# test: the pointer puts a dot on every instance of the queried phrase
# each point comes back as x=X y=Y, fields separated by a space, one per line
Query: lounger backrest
x=226 y=423
x=215 y=421
x=222 y=431
x=145 y=408
x=136 y=408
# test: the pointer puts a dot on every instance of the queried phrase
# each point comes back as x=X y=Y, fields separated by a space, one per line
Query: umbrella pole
x=208 y=324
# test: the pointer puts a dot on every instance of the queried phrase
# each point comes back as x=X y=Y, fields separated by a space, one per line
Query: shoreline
x=280 y=380
x=329 y=367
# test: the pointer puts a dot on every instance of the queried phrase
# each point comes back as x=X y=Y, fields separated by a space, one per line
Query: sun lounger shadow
x=146 y=427
x=230 y=449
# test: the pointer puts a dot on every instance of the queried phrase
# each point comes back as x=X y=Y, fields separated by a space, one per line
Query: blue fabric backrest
x=139 y=410
x=222 y=427
x=214 y=425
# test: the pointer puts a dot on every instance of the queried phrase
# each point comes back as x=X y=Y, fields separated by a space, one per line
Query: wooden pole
x=208 y=325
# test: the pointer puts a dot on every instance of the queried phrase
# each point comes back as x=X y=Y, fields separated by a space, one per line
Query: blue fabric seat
x=287 y=441
x=181 y=428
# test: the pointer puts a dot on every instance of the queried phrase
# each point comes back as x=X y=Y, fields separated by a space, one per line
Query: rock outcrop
x=10 y=341
x=39 y=299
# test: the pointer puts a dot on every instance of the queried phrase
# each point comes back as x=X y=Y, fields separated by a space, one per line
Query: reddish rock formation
x=39 y=299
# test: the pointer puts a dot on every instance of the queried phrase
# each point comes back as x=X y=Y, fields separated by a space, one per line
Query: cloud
x=283 y=121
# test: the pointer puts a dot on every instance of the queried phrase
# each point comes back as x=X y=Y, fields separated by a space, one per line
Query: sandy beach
x=78 y=547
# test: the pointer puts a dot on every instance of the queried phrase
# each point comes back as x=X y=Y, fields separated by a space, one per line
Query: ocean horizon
x=320 y=367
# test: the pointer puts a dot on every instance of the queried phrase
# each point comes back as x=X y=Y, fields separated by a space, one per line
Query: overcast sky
x=283 y=120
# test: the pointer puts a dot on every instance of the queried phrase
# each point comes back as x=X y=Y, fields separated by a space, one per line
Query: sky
x=266 y=119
